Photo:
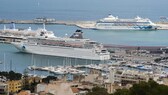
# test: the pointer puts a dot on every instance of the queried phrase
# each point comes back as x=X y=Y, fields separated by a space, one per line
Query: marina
x=60 y=70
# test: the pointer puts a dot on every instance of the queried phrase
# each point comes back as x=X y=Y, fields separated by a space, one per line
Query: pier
x=129 y=47
x=81 y=24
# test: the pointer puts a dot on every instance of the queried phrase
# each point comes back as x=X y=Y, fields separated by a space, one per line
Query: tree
x=48 y=79
x=14 y=76
x=98 y=91
x=122 y=92
x=11 y=75
x=144 y=88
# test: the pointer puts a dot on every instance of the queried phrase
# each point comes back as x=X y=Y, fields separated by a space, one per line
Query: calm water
x=80 y=10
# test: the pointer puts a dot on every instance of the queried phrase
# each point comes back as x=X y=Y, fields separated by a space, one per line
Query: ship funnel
x=77 y=34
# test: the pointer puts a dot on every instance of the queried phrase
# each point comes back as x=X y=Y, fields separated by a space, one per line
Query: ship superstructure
x=115 y=23
x=75 y=47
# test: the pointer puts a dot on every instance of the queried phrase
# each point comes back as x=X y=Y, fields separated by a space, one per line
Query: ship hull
x=61 y=51
x=125 y=28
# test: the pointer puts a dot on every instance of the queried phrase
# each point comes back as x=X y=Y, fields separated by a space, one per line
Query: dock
x=80 y=24
x=162 y=25
x=129 y=47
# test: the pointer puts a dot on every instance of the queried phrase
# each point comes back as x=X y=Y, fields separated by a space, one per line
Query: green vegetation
x=11 y=75
x=143 y=88
x=98 y=91
x=121 y=92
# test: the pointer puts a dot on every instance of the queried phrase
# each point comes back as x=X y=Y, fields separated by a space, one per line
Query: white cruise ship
x=75 y=47
x=25 y=32
x=114 y=23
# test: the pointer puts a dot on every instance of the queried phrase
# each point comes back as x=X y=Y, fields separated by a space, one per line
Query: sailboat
x=33 y=65
x=72 y=70
x=61 y=70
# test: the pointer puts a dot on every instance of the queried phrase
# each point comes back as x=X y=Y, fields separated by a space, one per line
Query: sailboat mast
x=48 y=66
x=4 y=62
x=32 y=60
x=34 y=67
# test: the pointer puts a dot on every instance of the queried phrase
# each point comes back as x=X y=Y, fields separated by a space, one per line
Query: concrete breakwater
x=81 y=24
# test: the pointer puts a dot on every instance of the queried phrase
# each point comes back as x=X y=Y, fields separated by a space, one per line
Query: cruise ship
x=74 y=46
x=115 y=23
x=8 y=35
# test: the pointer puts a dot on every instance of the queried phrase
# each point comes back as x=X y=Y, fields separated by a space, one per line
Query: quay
x=80 y=24
x=127 y=47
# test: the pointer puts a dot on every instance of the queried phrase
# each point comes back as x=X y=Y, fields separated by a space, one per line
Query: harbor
x=89 y=47
x=126 y=67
